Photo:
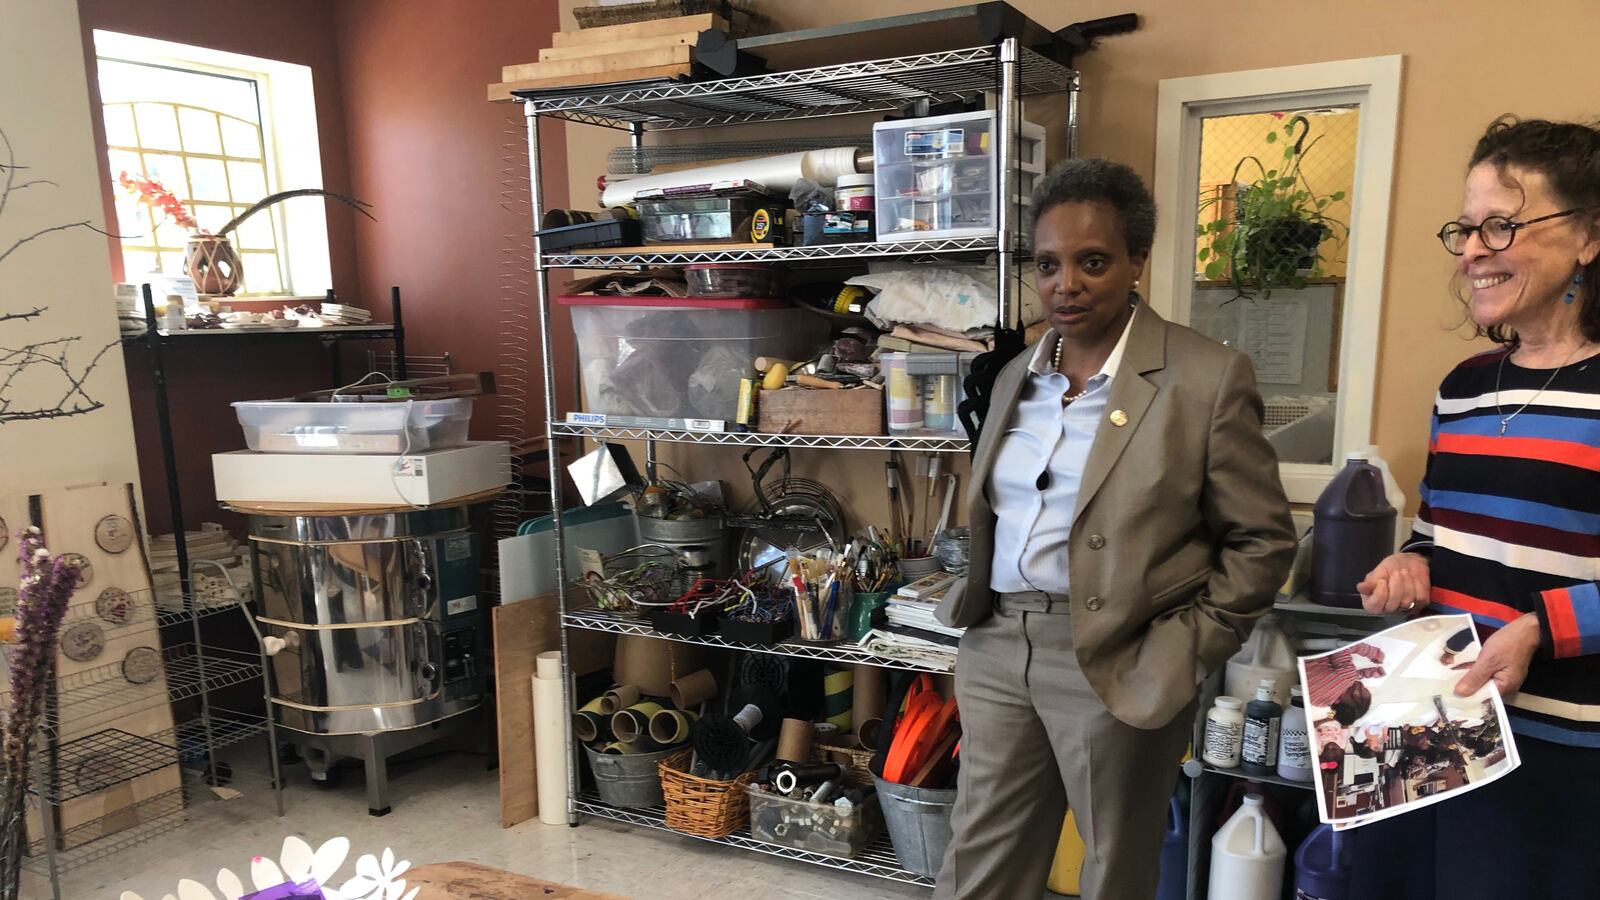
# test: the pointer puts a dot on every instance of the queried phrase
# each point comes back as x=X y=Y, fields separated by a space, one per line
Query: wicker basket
x=700 y=806
x=848 y=752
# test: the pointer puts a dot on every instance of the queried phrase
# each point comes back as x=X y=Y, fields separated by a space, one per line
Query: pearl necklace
x=1056 y=363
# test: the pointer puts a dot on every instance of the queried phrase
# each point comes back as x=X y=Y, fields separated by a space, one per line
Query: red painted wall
x=429 y=151
x=202 y=381
x=403 y=124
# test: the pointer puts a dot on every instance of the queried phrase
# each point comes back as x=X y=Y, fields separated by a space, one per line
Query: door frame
x=1374 y=84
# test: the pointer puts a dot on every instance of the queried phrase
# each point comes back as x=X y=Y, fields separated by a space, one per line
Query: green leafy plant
x=1273 y=238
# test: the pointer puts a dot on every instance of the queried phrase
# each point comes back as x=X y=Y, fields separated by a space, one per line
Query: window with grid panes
x=201 y=134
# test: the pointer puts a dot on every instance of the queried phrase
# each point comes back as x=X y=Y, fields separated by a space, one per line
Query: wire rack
x=821 y=441
x=877 y=859
x=137 y=611
x=128 y=826
x=111 y=757
x=102 y=694
x=814 y=253
x=592 y=619
x=860 y=87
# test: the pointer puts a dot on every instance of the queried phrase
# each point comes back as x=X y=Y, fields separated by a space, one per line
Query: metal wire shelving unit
x=877 y=859
x=1004 y=70
x=591 y=619
x=733 y=438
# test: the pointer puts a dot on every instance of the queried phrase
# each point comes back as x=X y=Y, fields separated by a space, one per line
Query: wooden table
x=471 y=881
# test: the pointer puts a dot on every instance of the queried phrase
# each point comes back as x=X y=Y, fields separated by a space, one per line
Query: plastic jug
x=1322 y=866
x=1353 y=532
x=1266 y=654
x=1247 y=856
x=1068 y=865
x=1174 y=855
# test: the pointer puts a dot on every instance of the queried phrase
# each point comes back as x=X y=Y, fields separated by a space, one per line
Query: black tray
x=763 y=633
x=606 y=232
x=668 y=622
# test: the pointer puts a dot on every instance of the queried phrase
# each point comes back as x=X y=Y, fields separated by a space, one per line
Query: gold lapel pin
x=1119 y=418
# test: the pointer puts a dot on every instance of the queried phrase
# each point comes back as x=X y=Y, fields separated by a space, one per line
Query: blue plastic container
x=1321 y=866
x=1174 y=855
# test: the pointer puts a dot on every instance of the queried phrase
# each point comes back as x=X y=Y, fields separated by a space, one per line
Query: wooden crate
x=798 y=410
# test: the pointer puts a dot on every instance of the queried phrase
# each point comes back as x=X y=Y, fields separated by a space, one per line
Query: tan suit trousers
x=1034 y=737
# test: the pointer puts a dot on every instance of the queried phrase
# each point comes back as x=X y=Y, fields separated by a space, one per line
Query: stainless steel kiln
x=375 y=631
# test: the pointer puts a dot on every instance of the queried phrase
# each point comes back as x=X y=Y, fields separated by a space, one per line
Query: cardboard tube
x=618 y=699
x=651 y=664
x=794 y=741
x=671 y=726
x=696 y=688
x=634 y=721
x=590 y=724
x=868 y=732
x=837 y=687
x=866 y=699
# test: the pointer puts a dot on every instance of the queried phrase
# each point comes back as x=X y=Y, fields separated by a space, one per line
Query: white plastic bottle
x=1294 y=740
x=1224 y=736
x=1247 y=856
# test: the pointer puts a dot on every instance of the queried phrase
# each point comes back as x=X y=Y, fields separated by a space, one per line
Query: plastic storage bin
x=734 y=280
x=922 y=391
x=642 y=356
x=814 y=827
x=742 y=219
x=406 y=426
x=934 y=178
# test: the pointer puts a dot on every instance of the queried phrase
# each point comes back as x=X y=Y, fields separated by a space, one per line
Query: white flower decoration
x=297 y=863
x=379 y=882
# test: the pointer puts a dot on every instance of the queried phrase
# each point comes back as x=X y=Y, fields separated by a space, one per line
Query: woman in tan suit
x=1128 y=528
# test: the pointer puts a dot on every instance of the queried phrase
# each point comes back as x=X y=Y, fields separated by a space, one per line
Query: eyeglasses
x=1496 y=232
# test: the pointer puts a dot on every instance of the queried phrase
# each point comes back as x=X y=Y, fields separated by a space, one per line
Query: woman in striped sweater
x=1509 y=529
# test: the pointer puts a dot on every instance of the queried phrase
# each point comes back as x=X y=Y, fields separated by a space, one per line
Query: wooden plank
x=629 y=31
x=602 y=60
x=522 y=631
x=582 y=51
x=461 y=880
x=501 y=91
x=799 y=410
x=520 y=635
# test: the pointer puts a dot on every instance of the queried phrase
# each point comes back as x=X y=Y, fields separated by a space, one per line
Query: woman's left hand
x=1505 y=657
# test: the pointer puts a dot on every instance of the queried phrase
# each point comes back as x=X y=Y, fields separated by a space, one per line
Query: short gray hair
x=1102 y=181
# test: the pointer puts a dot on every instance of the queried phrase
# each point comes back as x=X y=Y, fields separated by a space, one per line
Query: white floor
x=448 y=809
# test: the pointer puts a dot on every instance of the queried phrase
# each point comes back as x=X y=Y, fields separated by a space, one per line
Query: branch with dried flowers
x=47 y=584
x=73 y=398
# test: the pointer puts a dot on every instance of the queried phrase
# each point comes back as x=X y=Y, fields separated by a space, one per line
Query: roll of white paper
x=776 y=173
x=550 y=748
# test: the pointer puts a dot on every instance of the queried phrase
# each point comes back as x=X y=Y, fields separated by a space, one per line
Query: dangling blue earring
x=1572 y=292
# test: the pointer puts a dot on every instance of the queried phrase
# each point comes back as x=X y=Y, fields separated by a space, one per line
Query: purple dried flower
x=47 y=585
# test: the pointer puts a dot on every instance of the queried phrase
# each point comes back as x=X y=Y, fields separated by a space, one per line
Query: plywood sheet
x=631 y=30
x=602 y=60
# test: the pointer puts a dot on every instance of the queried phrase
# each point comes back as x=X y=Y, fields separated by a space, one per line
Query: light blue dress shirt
x=1032 y=525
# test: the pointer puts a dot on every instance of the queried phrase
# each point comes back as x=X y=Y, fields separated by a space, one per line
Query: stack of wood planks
x=660 y=48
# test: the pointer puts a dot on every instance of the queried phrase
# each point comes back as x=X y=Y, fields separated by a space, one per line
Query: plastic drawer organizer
x=406 y=426
x=935 y=177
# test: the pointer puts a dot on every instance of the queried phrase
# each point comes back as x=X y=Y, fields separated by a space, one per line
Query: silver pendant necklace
x=1505 y=420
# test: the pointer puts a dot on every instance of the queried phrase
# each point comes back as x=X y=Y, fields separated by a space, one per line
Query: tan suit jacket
x=1182 y=534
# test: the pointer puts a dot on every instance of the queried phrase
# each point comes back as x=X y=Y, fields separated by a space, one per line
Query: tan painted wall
x=44 y=110
x=1538 y=63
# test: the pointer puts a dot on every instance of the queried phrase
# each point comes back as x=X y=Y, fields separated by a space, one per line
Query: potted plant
x=210 y=259
x=1273 y=238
